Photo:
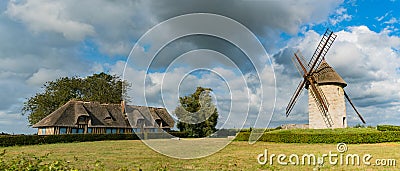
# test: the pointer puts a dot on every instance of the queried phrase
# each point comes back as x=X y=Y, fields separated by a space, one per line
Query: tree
x=103 y=88
x=197 y=114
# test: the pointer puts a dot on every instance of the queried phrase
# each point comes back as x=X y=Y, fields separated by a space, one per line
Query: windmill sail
x=352 y=105
x=322 y=104
x=295 y=97
x=323 y=47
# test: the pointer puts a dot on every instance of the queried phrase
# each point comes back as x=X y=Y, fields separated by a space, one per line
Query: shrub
x=65 y=138
x=388 y=128
x=332 y=137
x=31 y=162
x=12 y=140
x=179 y=134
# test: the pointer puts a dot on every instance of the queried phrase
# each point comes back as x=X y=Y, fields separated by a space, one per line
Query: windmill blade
x=299 y=62
x=322 y=104
x=298 y=67
x=352 y=105
x=295 y=96
x=320 y=97
x=322 y=48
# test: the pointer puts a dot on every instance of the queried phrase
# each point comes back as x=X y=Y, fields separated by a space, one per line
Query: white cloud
x=392 y=21
x=339 y=16
x=43 y=75
x=46 y=15
x=382 y=17
x=14 y=123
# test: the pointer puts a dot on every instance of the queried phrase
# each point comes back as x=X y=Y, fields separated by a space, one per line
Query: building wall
x=92 y=130
x=337 y=108
x=46 y=131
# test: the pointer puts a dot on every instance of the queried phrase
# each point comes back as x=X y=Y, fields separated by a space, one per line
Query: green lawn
x=135 y=155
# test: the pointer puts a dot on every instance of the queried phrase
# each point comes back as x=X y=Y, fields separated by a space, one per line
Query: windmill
x=325 y=88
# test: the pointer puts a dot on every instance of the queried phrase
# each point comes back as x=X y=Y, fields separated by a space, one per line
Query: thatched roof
x=149 y=115
x=165 y=116
x=105 y=115
x=325 y=74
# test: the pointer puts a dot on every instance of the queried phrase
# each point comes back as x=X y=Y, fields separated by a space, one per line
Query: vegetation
x=31 y=162
x=388 y=128
x=135 y=155
x=12 y=140
x=101 y=87
x=197 y=114
x=325 y=131
x=346 y=135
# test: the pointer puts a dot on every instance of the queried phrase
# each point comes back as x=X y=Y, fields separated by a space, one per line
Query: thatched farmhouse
x=78 y=117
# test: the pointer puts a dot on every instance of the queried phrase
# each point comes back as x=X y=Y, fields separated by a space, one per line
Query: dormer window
x=83 y=120
x=159 y=122
x=140 y=123
x=108 y=119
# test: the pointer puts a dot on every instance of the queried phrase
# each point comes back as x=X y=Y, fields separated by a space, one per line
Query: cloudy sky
x=42 y=40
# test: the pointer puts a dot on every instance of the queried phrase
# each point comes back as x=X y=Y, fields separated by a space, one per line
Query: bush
x=65 y=138
x=32 y=162
x=179 y=134
x=12 y=140
x=388 y=128
x=349 y=138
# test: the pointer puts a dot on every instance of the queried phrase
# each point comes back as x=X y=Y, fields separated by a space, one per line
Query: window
x=82 y=120
x=74 y=131
x=140 y=123
x=158 y=121
x=89 y=130
x=108 y=131
x=153 y=130
x=137 y=130
x=43 y=131
x=63 y=130
x=114 y=130
x=80 y=131
x=121 y=131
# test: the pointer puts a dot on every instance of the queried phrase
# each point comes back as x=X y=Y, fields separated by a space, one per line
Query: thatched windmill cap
x=325 y=74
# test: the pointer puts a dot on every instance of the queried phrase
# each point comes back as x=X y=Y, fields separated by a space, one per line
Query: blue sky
x=43 y=40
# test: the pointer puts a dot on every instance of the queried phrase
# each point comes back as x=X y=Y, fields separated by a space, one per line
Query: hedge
x=12 y=140
x=388 y=128
x=350 y=138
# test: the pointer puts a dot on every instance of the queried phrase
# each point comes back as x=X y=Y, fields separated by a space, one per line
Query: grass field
x=135 y=155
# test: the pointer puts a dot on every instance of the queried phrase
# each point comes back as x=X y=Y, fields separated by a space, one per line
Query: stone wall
x=337 y=108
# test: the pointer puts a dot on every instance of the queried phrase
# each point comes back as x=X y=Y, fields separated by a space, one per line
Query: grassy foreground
x=134 y=155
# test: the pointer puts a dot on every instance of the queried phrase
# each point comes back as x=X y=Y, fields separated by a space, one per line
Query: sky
x=240 y=49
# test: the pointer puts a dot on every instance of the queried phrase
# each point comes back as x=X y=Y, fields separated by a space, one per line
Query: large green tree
x=197 y=113
x=102 y=87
